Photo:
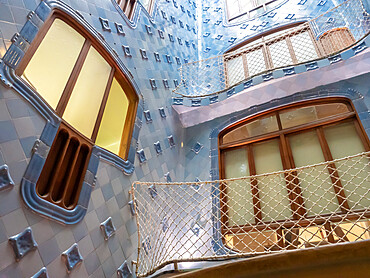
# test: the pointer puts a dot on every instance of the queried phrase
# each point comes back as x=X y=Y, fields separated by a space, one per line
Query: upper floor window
x=300 y=135
x=128 y=6
x=279 y=48
x=248 y=8
x=81 y=82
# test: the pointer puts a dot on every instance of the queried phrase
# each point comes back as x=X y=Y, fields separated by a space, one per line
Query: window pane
x=272 y=188
x=260 y=126
x=303 y=115
x=52 y=64
x=317 y=189
x=303 y=47
x=233 y=8
x=343 y=141
x=256 y=62
x=113 y=121
x=83 y=106
x=235 y=70
x=280 y=54
x=239 y=193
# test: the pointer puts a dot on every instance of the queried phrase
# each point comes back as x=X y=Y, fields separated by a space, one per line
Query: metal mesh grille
x=332 y=32
x=226 y=218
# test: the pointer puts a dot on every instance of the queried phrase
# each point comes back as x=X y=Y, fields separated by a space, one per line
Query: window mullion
x=294 y=191
x=62 y=104
x=102 y=106
x=334 y=176
x=254 y=183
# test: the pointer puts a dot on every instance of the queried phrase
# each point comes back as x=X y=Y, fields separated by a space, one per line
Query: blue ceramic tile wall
x=170 y=38
x=217 y=34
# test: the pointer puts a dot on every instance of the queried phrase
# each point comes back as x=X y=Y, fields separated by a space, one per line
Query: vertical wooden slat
x=62 y=104
x=102 y=106
x=254 y=186
x=334 y=176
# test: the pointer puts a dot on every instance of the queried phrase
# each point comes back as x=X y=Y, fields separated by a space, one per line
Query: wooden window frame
x=129 y=6
x=229 y=18
x=264 y=45
x=299 y=219
x=58 y=183
x=90 y=41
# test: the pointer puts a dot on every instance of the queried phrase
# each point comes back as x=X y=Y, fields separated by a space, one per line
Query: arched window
x=129 y=6
x=286 y=138
x=277 y=48
x=237 y=9
x=85 y=87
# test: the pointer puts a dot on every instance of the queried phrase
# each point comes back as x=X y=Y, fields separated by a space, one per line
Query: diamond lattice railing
x=332 y=32
x=305 y=207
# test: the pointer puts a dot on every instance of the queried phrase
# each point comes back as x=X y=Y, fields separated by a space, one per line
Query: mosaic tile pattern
x=23 y=243
x=21 y=125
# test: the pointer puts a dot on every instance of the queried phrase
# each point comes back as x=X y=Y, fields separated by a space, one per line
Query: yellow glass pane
x=113 y=121
x=273 y=191
x=83 y=106
x=51 y=65
x=239 y=193
x=307 y=114
x=343 y=141
x=260 y=126
x=317 y=189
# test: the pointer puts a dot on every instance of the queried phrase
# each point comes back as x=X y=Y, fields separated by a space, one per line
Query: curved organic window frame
x=116 y=73
x=12 y=59
x=281 y=134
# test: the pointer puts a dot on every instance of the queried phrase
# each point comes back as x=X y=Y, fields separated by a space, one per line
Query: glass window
x=61 y=46
x=290 y=140
x=72 y=73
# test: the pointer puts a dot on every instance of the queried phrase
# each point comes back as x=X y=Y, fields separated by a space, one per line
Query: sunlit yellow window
x=77 y=78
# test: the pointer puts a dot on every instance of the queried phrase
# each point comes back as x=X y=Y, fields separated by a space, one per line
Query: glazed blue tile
x=357 y=49
x=124 y=271
x=289 y=71
x=6 y=181
x=162 y=112
x=149 y=29
x=147 y=116
x=42 y=273
x=108 y=229
x=322 y=3
x=167 y=176
x=23 y=243
x=161 y=34
x=146 y=245
x=126 y=50
x=197 y=147
x=132 y=207
x=334 y=59
x=141 y=156
x=164 y=223
x=290 y=16
x=157 y=56
x=311 y=66
x=171 y=38
x=168 y=59
x=153 y=84
x=105 y=24
x=143 y=54
x=72 y=257
x=153 y=191
x=158 y=148
x=171 y=141
x=119 y=29
x=165 y=83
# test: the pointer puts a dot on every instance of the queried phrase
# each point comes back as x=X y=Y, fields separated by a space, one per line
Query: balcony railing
x=187 y=222
x=324 y=36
